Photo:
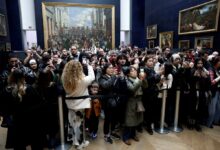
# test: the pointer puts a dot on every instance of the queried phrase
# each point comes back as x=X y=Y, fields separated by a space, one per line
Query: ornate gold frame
x=179 y=43
x=211 y=38
x=210 y=30
x=44 y=4
x=160 y=36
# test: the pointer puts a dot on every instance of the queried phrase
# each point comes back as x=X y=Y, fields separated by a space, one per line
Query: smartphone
x=84 y=60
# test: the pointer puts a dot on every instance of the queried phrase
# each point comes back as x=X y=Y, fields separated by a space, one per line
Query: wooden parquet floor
x=208 y=139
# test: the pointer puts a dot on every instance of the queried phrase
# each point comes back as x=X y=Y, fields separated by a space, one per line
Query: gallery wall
x=39 y=20
x=138 y=24
x=165 y=15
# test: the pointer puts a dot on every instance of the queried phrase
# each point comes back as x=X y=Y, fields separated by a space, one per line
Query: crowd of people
x=123 y=86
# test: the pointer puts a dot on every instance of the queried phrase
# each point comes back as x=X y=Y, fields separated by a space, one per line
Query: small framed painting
x=152 y=32
x=204 y=42
x=184 y=44
x=151 y=43
x=166 y=39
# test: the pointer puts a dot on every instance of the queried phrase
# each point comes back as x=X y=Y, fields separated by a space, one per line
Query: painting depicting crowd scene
x=85 y=26
x=201 y=18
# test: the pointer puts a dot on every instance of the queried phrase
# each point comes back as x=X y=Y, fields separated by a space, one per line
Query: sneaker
x=83 y=145
x=135 y=138
x=198 y=128
x=150 y=131
x=108 y=139
x=115 y=136
x=127 y=142
x=93 y=136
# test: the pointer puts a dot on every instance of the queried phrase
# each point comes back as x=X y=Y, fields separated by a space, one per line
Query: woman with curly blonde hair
x=76 y=83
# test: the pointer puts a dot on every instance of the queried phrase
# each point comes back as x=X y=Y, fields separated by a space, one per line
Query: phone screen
x=84 y=61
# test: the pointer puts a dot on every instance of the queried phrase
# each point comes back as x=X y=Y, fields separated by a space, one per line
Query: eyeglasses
x=94 y=87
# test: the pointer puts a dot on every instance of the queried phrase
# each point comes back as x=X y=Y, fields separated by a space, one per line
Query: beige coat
x=81 y=90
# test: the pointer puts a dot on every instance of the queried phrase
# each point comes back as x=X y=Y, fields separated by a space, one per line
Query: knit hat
x=32 y=61
x=176 y=56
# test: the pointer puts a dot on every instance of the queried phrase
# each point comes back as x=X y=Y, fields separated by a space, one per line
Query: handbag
x=140 y=106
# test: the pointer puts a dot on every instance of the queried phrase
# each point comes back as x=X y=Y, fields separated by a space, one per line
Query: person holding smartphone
x=75 y=84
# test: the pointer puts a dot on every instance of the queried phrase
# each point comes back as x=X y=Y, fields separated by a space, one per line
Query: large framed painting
x=166 y=39
x=152 y=32
x=3 y=29
x=204 y=42
x=83 y=25
x=200 y=18
x=184 y=44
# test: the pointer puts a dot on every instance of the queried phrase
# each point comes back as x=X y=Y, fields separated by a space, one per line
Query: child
x=92 y=114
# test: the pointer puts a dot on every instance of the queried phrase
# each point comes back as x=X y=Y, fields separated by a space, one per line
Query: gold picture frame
x=184 y=44
x=204 y=42
x=73 y=21
x=151 y=44
x=199 y=19
x=152 y=32
x=166 y=39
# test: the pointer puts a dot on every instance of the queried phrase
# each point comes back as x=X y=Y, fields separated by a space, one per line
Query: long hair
x=72 y=75
x=16 y=81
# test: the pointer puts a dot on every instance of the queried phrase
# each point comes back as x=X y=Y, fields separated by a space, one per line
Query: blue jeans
x=214 y=109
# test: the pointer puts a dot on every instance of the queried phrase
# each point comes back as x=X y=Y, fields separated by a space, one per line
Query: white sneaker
x=83 y=145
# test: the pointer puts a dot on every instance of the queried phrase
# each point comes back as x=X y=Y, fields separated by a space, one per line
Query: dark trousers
x=150 y=114
x=110 y=120
x=129 y=132
x=170 y=107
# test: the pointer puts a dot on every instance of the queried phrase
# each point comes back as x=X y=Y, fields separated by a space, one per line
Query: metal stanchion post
x=175 y=128
x=62 y=146
x=162 y=129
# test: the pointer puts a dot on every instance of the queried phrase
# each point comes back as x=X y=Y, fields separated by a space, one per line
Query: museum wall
x=138 y=27
x=39 y=20
x=165 y=15
x=14 y=25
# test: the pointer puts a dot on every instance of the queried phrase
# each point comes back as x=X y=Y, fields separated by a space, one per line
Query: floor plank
x=208 y=139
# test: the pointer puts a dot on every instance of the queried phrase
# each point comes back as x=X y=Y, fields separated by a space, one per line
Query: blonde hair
x=72 y=74
x=16 y=82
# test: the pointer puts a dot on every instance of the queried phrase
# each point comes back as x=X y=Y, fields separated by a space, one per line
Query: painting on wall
x=3 y=29
x=184 y=44
x=151 y=44
x=2 y=46
x=152 y=32
x=166 y=39
x=204 y=42
x=8 y=46
x=84 y=25
x=200 y=18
